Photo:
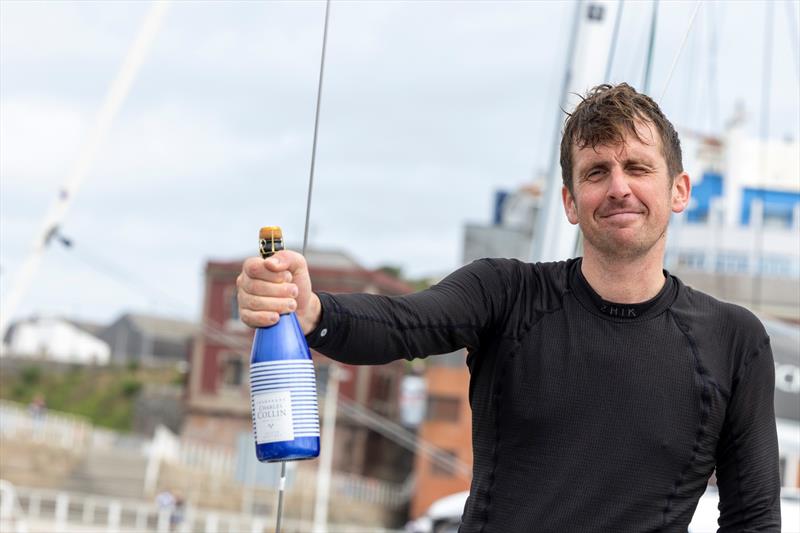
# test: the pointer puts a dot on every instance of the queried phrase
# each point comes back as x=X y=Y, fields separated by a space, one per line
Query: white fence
x=59 y=429
x=77 y=434
x=29 y=510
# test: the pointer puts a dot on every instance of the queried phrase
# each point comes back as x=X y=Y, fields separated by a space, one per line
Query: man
x=604 y=392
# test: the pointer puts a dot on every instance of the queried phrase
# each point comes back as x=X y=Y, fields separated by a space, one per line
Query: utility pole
x=326 y=450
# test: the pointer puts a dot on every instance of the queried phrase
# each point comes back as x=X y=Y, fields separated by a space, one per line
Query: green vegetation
x=105 y=395
x=418 y=284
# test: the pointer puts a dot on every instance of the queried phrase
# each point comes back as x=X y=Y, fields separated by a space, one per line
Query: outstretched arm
x=372 y=329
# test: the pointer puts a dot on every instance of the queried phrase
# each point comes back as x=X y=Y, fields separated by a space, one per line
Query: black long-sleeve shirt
x=587 y=415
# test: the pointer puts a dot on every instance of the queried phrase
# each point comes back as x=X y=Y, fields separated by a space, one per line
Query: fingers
x=285 y=260
x=256 y=268
x=266 y=288
x=257 y=287
x=258 y=319
x=248 y=302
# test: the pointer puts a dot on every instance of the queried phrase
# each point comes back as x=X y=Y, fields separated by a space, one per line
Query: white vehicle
x=444 y=515
x=707 y=512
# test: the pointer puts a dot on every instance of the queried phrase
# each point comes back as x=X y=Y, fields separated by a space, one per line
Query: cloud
x=39 y=137
x=427 y=108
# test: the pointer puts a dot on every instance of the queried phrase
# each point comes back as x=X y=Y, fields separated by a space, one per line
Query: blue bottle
x=283 y=387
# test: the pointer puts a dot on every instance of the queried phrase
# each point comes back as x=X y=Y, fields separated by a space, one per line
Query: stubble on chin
x=621 y=250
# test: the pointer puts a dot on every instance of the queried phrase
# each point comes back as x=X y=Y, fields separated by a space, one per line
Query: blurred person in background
x=604 y=391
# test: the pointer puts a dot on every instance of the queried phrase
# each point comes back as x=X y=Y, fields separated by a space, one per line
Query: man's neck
x=625 y=281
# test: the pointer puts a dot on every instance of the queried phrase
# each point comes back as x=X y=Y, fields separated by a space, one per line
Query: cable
x=680 y=50
x=316 y=124
x=614 y=39
x=650 y=46
x=117 y=92
x=793 y=37
x=308 y=209
x=766 y=86
x=713 y=87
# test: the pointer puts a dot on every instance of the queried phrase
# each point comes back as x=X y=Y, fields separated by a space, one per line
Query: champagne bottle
x=282 y=383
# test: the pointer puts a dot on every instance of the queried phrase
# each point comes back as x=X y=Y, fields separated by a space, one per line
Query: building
x=149 y=339
x=448 y=426
x=218 y=397
x=512 y=229
x=56 y=339
x=740 y=238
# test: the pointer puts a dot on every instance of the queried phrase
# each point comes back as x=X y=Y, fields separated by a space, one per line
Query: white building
x=740 y=238
x=55 y=339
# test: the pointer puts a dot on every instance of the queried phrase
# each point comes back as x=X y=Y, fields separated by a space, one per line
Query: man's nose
x=618 y=187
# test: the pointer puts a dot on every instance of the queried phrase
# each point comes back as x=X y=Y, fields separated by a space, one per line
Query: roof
x=316 y=258
x=331 y=271
x=92 y=328
x=162 y=327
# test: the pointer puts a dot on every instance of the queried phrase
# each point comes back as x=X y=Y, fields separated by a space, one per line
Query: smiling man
x=604 y=392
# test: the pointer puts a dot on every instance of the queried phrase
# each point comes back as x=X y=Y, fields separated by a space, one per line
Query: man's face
x=623 y=196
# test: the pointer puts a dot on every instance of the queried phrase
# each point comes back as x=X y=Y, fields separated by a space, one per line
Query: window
x=232 y=372
x=732 y=263
x=234 y=306
x=445 y=408
x=693 y=260
x=443 y=463
x=231 y=310
x=776 y=266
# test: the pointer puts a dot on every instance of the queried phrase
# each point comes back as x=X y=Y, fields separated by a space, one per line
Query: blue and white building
x=740 y=238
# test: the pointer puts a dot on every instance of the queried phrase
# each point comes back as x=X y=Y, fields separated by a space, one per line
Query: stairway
x=113 y=472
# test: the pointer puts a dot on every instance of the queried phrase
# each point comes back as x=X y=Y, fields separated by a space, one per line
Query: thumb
x=286 y=260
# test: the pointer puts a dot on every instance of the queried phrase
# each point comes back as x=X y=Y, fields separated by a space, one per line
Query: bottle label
x=272 y=413
x=284 y=400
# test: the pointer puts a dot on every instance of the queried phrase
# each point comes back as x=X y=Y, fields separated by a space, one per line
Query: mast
x=592 y=37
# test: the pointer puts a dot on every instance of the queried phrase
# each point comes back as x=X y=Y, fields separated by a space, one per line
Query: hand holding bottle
x=277 y=285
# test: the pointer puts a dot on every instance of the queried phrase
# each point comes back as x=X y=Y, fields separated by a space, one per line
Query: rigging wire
x=690 y=86
x=713 y=86
x=793 y=37
x=650 y=47
x=316 y=124
x=766 y=90
x=614 y=39
x=115 y=97
x=308 y=213
x=680 y=49
x=633 y=70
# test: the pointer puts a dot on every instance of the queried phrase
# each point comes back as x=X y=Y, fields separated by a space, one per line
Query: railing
x=213 y=459
x=63 y=511
x=10 y=516
x=368 y=490
x=59 y=429
x=76 y=433
x=220 y=461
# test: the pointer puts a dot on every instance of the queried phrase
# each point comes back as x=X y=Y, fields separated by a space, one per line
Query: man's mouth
x=622 y=215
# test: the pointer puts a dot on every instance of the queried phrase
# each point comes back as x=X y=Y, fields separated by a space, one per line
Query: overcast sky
x=427 y=109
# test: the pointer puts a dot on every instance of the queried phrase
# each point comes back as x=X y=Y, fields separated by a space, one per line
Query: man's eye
x=638 y=170
x=594 y=174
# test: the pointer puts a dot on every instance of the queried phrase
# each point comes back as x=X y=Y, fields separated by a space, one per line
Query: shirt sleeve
x=455 y=313
x=748 y=472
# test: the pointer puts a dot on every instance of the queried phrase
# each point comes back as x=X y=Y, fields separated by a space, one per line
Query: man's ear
x=681 y=192
x=569 y=205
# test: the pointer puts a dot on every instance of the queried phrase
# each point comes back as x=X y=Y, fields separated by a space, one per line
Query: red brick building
x=218 y=404
x=448 y=426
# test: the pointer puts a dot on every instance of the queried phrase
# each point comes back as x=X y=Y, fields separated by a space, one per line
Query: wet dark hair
x=605 y=115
